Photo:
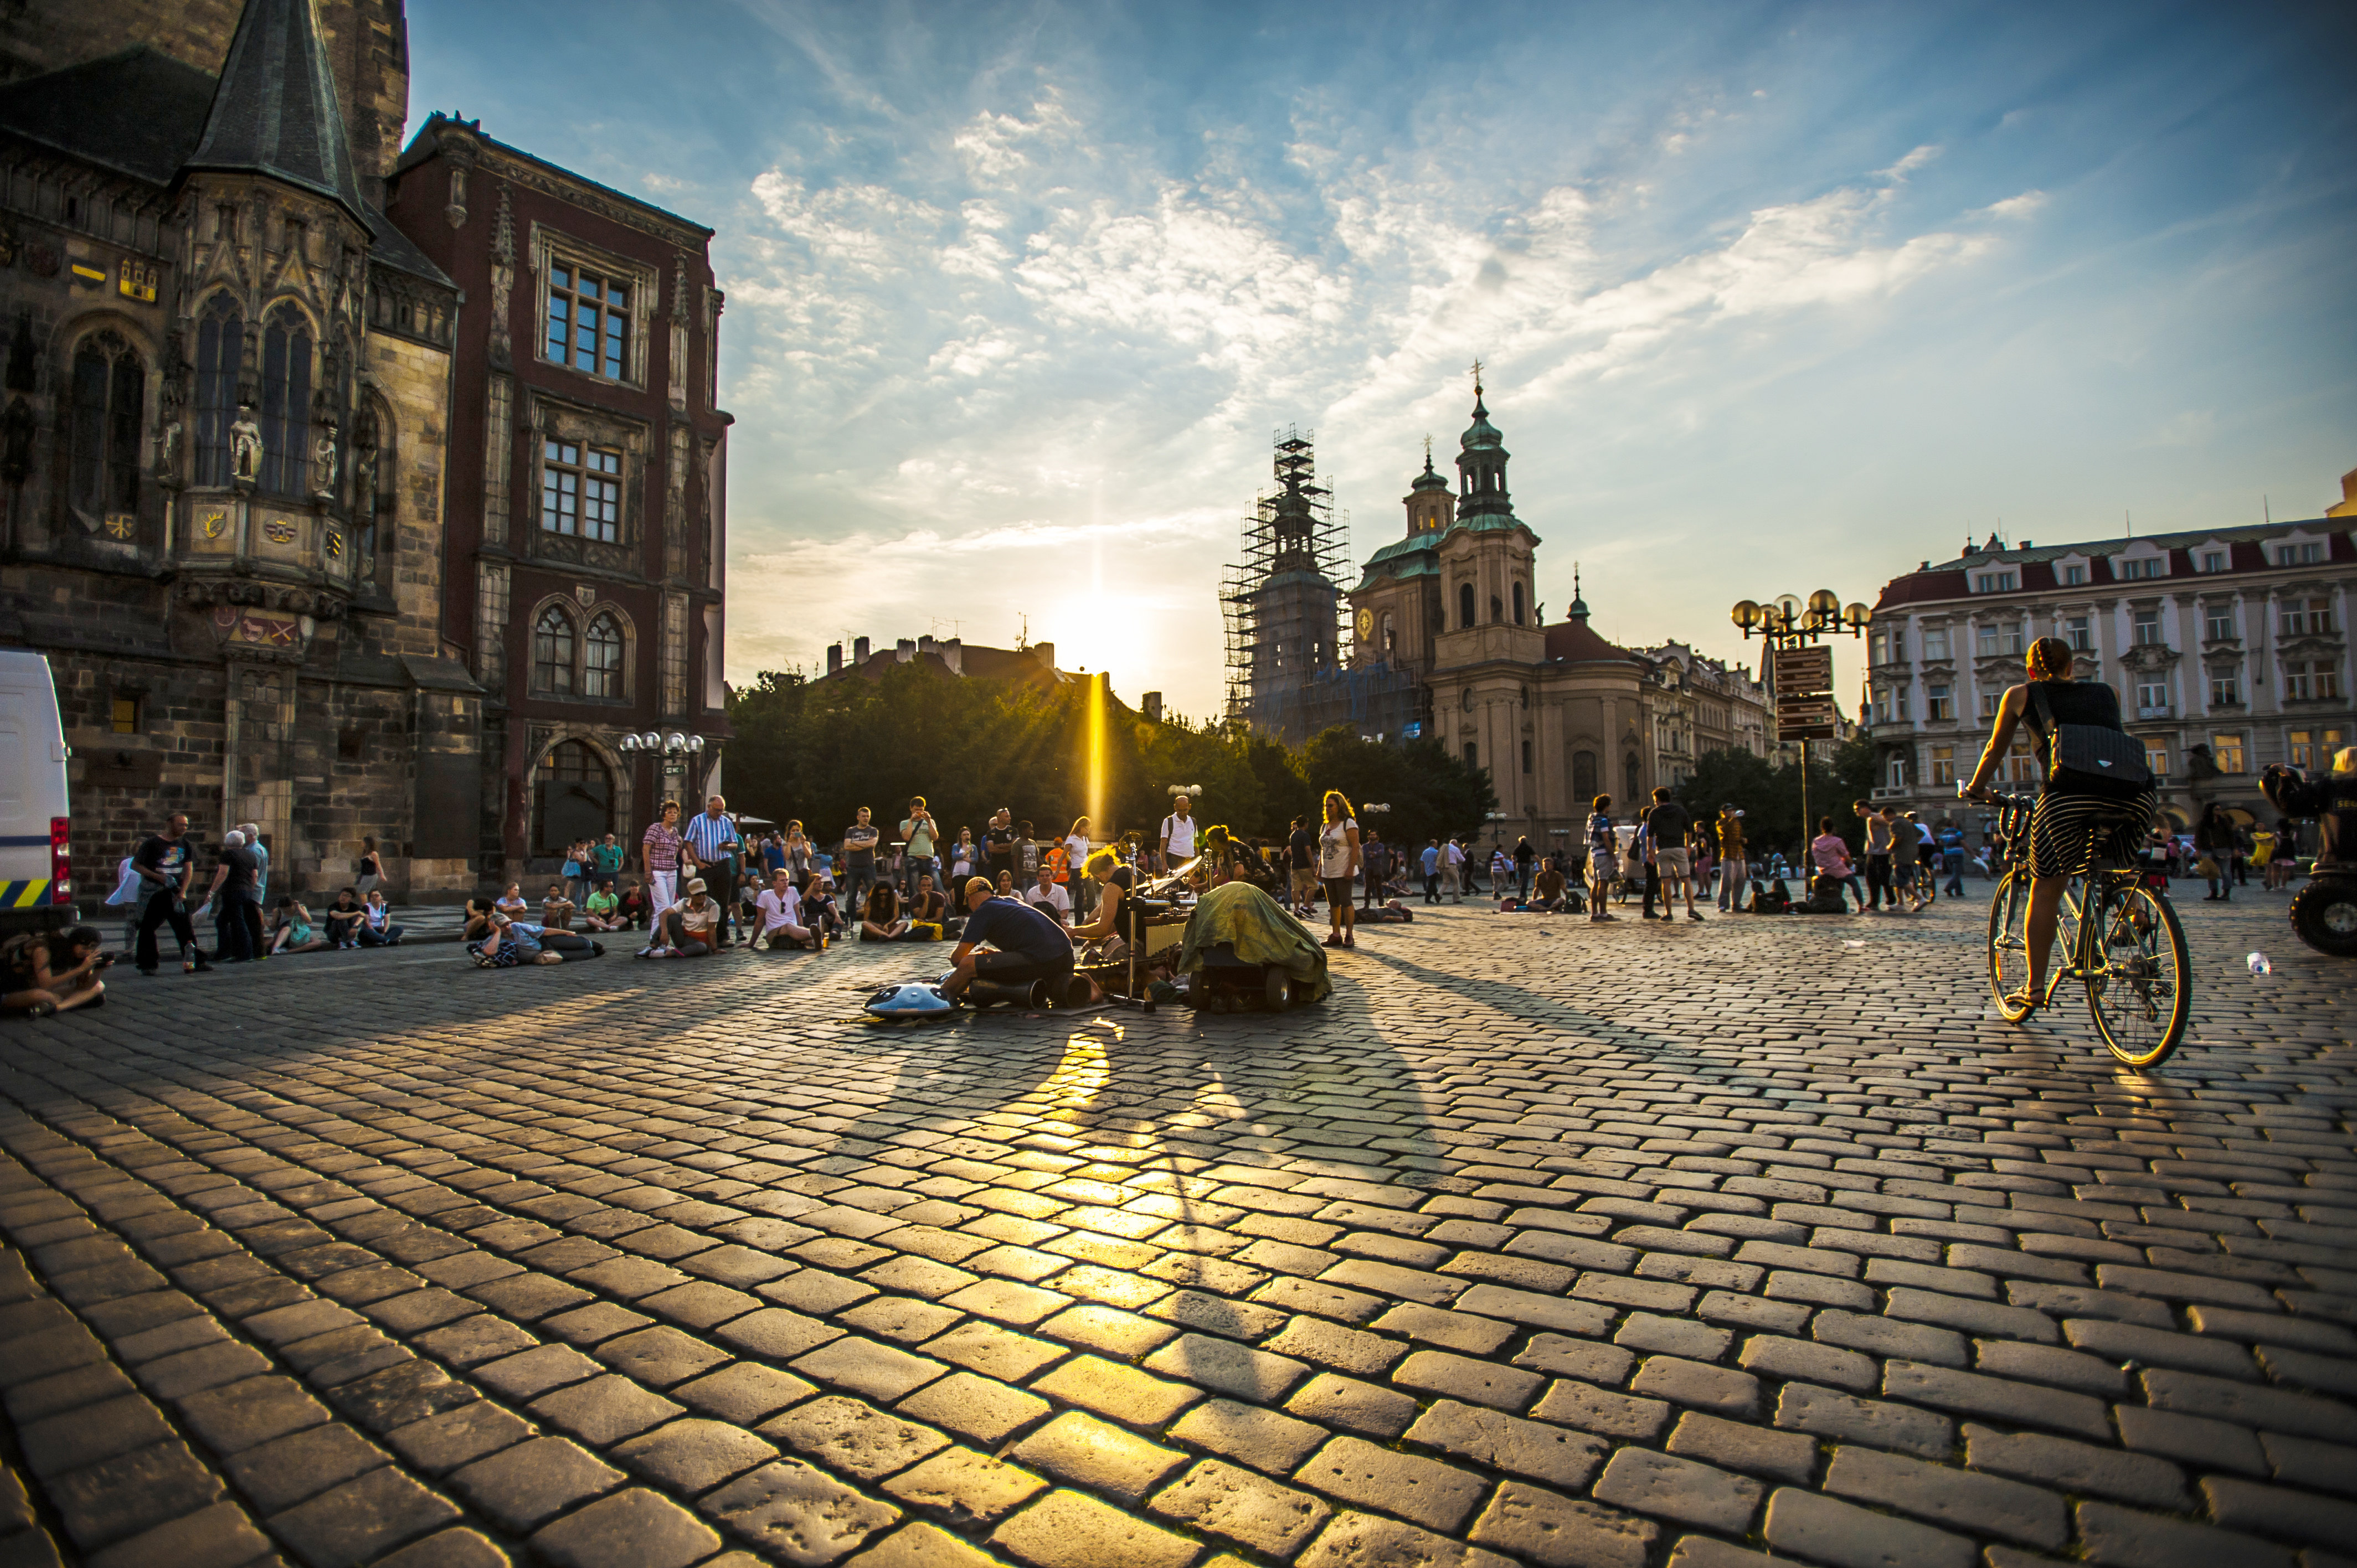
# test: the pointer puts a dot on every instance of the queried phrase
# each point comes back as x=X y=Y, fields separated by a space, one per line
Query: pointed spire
x=1578 y=610
x=274 y=113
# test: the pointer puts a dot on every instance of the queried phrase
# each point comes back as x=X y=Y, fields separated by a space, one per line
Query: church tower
x=1486 y=556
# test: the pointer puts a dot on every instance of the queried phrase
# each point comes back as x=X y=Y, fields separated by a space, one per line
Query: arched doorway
x=573 y=797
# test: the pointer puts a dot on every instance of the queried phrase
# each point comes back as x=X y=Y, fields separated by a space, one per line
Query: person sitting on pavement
x=689 y=928
x=43 y=973
x=882 y=921
x=928 y=907
x=1116 y=923
x=1048 y=899
x=494 y=940
x=777 y=917
x=345 y=918
x=1548 y=890
x=557 y=910
x=603 y=911
x=292 y=932
x=1026 y=945
x=636 y=907
x=820 y=910
x=512 y=902
x=377 y=930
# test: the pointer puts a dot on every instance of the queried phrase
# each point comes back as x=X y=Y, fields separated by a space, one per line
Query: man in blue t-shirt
x=1029 y=945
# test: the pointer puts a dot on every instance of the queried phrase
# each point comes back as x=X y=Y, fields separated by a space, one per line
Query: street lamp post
x=671 y=751
x=1789 y=625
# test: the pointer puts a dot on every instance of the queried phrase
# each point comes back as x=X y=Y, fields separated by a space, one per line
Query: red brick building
x=584 y=539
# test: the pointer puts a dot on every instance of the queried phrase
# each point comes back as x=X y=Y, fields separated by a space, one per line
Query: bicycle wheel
x=2139 y=978
x=2009 y=948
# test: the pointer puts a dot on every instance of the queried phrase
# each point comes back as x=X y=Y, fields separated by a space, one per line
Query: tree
x=1431 y=794
x=1768 y=794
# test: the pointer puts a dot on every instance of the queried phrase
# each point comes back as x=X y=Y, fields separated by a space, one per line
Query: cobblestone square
x=1538 y=1243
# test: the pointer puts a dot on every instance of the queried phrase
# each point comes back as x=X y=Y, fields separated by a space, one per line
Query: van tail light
x=60 y=863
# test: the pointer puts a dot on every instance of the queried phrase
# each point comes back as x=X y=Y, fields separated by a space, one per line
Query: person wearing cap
x=689 y=928
x=1734 y=872
x=1028 y=944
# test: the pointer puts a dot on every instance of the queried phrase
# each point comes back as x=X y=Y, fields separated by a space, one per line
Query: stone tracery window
x=581 y=490
x=552 y=652
x=589 y=323
x=285 y=413
x=220 y=345
x=601 y=674
x=103 y=430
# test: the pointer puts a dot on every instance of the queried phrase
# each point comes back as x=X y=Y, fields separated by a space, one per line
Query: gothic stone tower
x=222 y=447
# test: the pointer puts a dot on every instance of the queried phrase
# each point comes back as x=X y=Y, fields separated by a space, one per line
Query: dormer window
x=2214 y=560
x=2074 y=575
x=2306 y=552
x=2136 y=569
x=2004 y=582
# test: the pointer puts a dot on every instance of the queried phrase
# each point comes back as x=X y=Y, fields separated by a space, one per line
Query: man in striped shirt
x=712 y=838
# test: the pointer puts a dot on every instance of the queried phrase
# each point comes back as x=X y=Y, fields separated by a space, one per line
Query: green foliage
x=1768 y=794
x=972 y=746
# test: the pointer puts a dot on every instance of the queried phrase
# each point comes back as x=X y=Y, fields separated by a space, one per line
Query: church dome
x=1480 y=434
x=1428 y=480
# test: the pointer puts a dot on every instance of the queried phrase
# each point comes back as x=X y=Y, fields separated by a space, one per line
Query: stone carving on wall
x=679 y=335
x=323 y=458
x=364 y=444
x=502 y=279
x=244 y=447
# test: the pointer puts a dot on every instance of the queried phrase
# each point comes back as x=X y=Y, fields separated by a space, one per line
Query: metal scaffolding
x=1283 y=603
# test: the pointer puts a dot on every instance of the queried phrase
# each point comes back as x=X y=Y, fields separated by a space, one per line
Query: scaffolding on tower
x=1281 y=602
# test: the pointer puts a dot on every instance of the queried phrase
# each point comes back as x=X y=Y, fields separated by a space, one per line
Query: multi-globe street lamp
x=1801 y=674
x=673 y=750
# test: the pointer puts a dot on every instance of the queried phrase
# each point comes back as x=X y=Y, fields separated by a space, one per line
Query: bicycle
x=2114 y=935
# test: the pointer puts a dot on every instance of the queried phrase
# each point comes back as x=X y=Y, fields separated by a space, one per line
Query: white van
x=36 y=857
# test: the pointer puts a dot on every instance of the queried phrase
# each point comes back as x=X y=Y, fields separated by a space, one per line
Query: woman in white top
x=1337 y=862
x=1076 y=860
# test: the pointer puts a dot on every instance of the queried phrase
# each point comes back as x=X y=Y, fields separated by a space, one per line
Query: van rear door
x=35 y=865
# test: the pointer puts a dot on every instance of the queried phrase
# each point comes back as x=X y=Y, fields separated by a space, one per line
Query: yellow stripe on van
x=23 y=895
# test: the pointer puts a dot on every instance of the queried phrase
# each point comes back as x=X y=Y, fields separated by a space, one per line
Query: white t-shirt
x=1334 y=849
x=693 y=919
x=778 y=912
x=1050 y=898
x=1178 y=836
x=1076 y=852
x=1451 y=855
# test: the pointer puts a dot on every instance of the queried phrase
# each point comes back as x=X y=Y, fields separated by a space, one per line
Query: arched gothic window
x=1585 y=785
x=601 y=674
x=110 y=383
x=286 y=401
x=552 y=652
x=220 y=348
x=1465 y=607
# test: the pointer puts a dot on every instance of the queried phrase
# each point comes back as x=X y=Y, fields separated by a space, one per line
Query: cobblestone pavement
x=1539 y=1243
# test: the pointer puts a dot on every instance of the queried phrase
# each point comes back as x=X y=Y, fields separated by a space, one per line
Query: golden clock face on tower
x=1366 y=623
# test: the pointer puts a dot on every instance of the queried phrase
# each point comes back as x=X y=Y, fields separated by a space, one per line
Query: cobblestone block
x=1227 y=1367
x=74 y=1438
x=2277 y=1410
x=2299 y=1369
x=791 y=1511
x=1434 y=1495
x=999 y=1352
x=1540 y=1450
x=2049 y=1364
x=2195 y=1439
x=1363 y=1541
x=363 y=1519
x=2108 y=1533
x=1970 y=1315
x=1958 y=1498
x=192 y=1371
x=1595 y=1410
x=1888 y=1338
x=694 y=1456
x=1121 y=1393
x=2302 y=1462
x=854 y=1438
x=1716 y=1389
x=1459 y=1377
x=1109 y=1330
x=1331 y=1345
x=743 y=1393
x=1473 y=1335
x=2076 y=1467
x=524 y=1485
x=632 y=1528
x=1068 y=1530
x=216 y=1537
x=1776 y=1356
x=237 y=1416
x=1802 y=1407
x=1236 y=1504
x=2023 y=1402
x=1680 y=1489
x=2281 y=1511
x=605 y=1409
x=1249 y=1435
x=1818 y=1290
x=131 y=1493
x=974 y=1407
x=1848 y=1537
x=964 y=1487
x=1536 y=1311
x=279 y=1474
x=1541 y=1526
x=913 y=1545
x=1581 y=1359
x=1086 y=1452
x=456 y=1437
x=28 y=1403
x=1672 y=1337
x=1354 y=1406
x=1738 y=1445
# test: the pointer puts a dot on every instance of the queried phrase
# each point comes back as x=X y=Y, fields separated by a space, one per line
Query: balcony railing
x=2156 y=710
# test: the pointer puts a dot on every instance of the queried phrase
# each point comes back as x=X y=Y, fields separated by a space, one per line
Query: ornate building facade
x=2229 y=647
x=226 y=439
x=1557 y=714
x=584 y=556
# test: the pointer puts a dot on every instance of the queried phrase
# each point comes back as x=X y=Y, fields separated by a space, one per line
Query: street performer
x=1029 y=946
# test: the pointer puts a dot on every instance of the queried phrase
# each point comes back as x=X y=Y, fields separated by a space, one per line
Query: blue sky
x=1772 y=298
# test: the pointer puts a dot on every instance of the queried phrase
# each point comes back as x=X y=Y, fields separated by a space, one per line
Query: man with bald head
x=1026 y=944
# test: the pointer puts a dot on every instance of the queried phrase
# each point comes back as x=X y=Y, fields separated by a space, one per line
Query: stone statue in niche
x=167 y=445
x=364 y=444
x=323 y=458
x=244 y=447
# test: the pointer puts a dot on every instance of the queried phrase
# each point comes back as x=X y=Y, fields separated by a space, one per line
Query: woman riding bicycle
x=2072 y=827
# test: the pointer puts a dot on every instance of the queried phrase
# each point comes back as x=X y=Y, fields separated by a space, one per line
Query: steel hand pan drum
x=910 y=1001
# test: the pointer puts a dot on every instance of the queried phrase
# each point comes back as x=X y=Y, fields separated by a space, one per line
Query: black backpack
x=2090 y=759
x=1771 y=897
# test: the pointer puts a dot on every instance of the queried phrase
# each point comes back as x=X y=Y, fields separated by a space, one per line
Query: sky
x=1769 y=298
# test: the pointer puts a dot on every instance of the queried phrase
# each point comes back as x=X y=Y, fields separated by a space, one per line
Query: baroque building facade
x=2228 y=646
x=226 y=439
x=1557 y=714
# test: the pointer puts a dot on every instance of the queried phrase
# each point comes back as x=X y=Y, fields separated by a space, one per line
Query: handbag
x=2090 y=759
